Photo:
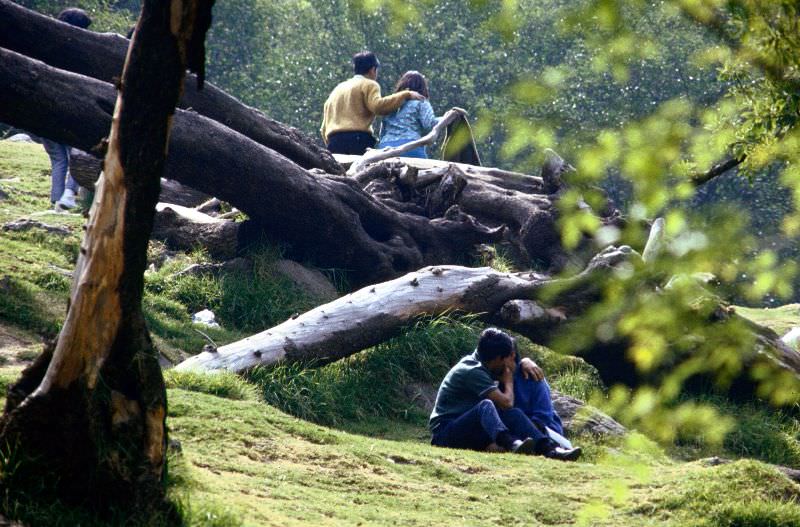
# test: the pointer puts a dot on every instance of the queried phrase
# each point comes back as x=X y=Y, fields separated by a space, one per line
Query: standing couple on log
x=353 y=105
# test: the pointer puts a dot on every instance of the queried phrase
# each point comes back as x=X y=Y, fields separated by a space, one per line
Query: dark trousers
x=481 y=425
x=353 y=143
x=535 y=401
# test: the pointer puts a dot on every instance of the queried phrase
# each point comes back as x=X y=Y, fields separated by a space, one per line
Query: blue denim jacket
x=411 y=121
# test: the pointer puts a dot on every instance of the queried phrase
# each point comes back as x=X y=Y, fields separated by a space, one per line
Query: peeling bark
x=89 y=420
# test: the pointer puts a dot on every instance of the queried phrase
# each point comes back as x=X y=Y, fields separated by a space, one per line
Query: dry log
x=535 y=305
x=327 y=219
x=373 y=156
x=491 y=196
x=368 y=316
x=185 y=229
x=101 y=55
x=375 y=313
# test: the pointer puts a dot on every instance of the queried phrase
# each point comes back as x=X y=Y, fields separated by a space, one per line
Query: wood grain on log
x=368 y=316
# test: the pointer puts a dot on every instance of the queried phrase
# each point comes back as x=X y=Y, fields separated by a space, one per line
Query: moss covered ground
x=343 y=444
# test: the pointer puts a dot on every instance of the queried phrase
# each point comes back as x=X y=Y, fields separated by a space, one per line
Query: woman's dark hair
x=75 y=17
x=364 y=61
x=494 y=343
x=414 y=81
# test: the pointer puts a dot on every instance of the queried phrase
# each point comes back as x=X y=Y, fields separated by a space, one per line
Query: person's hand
x=510 y=365
x=415 y=96
x=531 y=370
x=507 y=377
x=462 y=111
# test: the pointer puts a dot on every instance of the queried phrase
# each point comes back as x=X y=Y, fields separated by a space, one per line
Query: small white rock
x=205 y=317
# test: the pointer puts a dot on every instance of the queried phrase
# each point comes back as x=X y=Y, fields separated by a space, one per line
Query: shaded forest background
x=284 y=57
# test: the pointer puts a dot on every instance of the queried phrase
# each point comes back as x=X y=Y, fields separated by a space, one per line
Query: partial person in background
x=63 y=188
x=352 y=106
x=414 y=119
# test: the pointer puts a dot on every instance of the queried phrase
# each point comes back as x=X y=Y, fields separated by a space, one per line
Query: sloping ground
x=247 y=462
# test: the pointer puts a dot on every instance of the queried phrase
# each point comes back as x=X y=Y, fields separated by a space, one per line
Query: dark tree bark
x=85 y=169
x=184 y=229
x=101 y=55
x=717 y=170
x=328 y=219
x=88 y=418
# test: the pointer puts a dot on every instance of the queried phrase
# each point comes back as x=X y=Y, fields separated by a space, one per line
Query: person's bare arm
x=503 y=396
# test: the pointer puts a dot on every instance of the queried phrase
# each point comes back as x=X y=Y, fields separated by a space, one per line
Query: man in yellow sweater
x=353 y=104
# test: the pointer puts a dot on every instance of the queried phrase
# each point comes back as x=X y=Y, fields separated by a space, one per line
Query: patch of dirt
x=17 y=347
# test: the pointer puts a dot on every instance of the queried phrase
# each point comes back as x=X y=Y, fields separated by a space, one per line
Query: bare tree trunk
x=88 y=419
x=101 y=55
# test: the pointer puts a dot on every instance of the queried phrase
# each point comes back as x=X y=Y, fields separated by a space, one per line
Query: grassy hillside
x=343 y=444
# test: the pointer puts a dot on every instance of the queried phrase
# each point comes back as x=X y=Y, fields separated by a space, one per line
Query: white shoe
x=67 y=200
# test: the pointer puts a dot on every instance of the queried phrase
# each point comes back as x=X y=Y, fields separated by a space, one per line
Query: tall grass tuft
x=759 y=432
x=370 y=383
x=219 y=383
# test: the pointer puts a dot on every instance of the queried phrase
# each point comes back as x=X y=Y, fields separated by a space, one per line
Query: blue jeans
x=535 y=401
x=418 y=152
x=481 y=425
x=59 y=169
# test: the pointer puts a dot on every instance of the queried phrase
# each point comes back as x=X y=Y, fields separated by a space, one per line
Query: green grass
x=781 y=319
x=759 y=432
x=249 y=460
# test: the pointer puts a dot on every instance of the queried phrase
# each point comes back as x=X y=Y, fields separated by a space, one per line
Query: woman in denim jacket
x=412 y=120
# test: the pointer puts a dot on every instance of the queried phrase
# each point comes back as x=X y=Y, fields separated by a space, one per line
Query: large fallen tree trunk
x=375 y=313
x=101 y=55
x=523 y=302
x=325 y=218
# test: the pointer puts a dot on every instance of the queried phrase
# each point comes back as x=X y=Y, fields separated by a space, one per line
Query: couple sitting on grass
x=354 y=104
x=494 y=400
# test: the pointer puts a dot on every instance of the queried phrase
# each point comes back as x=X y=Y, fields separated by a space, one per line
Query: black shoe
x=526 y=447
x=564 y=454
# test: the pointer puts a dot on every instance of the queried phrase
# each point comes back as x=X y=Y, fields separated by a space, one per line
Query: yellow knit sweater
x=353 y=105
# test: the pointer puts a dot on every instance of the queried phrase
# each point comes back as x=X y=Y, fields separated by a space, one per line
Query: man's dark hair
x=494 y=343
x=364 y=61
x=75 y=17
x=414 y=81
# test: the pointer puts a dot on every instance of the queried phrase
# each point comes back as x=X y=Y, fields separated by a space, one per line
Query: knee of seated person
x=514 y=412
x=487 y=404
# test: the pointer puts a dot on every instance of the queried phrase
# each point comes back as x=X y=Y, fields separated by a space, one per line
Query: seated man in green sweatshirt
x=353 y=104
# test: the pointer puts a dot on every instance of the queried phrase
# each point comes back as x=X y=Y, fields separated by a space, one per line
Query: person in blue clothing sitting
x=414 y=119
x=477 y=407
